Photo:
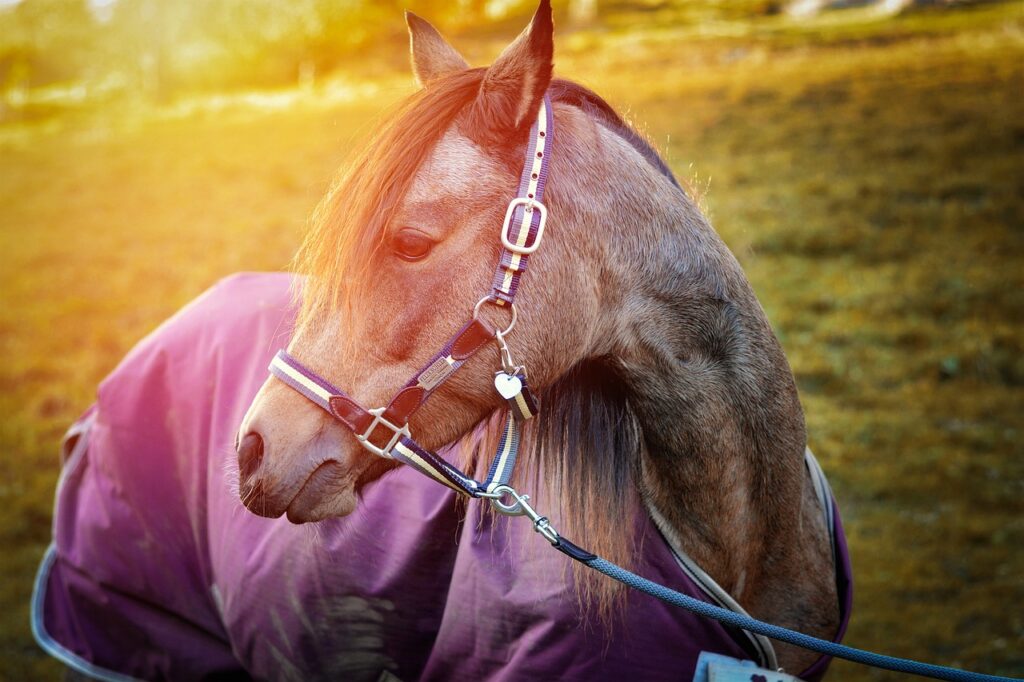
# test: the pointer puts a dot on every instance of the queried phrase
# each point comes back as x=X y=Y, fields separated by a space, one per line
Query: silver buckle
x=397 y=434
x=529 y=205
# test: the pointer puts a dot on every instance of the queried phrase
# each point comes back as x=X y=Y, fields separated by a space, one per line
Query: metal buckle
x=397 y=434
x=529 y=205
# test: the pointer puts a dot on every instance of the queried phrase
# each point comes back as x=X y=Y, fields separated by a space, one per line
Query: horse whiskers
x=232 y=479
x=315 y=534
x=232 y=476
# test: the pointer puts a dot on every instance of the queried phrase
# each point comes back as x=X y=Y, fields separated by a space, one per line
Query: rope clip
x=507 y=364
x=520 y=506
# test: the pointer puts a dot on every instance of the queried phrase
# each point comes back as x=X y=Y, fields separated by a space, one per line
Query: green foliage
x=867 y=174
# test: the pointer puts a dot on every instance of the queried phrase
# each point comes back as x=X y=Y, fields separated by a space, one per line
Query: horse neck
x=723 y=431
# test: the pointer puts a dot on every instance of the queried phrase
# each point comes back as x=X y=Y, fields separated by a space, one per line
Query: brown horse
x=659 y=374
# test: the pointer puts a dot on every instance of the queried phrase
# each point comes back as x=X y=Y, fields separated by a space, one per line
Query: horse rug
x=157 y=571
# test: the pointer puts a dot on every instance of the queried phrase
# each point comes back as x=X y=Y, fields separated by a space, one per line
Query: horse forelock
x=350 y=223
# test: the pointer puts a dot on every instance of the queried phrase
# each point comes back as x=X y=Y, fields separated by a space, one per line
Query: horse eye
x=411 y=244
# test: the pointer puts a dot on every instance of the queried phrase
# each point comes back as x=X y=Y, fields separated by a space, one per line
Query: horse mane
x=582 y=454
x=580 y=462
x=592 y=104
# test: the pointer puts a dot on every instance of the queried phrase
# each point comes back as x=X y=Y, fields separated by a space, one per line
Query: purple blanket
x=158 y=572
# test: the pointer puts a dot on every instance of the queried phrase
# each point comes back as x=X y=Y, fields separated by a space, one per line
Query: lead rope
x=521 y=507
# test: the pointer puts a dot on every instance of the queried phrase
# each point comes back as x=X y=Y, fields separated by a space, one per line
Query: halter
x=384 y=431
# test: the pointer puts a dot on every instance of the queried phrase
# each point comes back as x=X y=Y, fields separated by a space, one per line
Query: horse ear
x=432 y=56
x=513 y=87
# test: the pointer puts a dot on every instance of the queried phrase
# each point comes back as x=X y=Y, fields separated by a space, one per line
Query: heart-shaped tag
x=508 y=385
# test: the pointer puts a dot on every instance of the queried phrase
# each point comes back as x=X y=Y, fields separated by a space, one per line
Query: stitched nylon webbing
x=524 y=224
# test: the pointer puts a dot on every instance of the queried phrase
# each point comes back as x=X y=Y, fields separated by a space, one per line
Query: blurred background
x=864 y=160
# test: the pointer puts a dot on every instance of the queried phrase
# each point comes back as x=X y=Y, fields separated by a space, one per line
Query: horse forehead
x=456 y=167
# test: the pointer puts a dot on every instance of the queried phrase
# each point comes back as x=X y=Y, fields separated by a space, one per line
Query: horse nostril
x=250 y=454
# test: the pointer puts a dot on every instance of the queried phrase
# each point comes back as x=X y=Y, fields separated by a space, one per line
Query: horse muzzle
x=293 y=460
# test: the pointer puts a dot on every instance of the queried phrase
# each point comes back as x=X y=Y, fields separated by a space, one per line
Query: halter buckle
x=529 y=205
x=397 y=433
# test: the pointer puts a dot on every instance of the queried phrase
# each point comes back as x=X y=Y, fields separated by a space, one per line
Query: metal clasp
x=520 y=507
x=499 y=336
x=529 y=206
x=507 y=363
x=397 y=433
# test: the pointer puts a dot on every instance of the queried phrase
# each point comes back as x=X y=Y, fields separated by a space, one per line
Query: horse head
x=403 y=248
x=659 y=374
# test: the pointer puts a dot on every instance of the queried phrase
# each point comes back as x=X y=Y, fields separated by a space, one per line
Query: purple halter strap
x=384 y=431
x=526 y=215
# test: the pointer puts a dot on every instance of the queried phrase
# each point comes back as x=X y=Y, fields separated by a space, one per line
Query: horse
x=662 y=377
x=670 y=437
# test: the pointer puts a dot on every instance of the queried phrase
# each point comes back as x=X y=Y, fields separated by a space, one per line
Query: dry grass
x=870 y=181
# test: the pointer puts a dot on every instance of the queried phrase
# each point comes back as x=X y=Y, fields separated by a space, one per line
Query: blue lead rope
x=799 y=639
x=519 y=506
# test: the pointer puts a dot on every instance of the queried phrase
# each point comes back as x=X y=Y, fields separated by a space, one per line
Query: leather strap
x=473 y=336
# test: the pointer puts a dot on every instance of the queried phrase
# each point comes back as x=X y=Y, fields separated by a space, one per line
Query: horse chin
x=328 y=492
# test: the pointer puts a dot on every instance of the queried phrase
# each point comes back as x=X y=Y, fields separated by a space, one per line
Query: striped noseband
x=384 y=431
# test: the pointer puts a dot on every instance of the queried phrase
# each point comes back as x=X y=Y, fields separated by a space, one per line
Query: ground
x=868 y=174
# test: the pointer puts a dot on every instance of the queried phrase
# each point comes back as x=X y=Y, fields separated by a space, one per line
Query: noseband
x=384 y=431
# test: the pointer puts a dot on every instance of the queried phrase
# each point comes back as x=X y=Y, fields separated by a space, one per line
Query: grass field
x=868 y=173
